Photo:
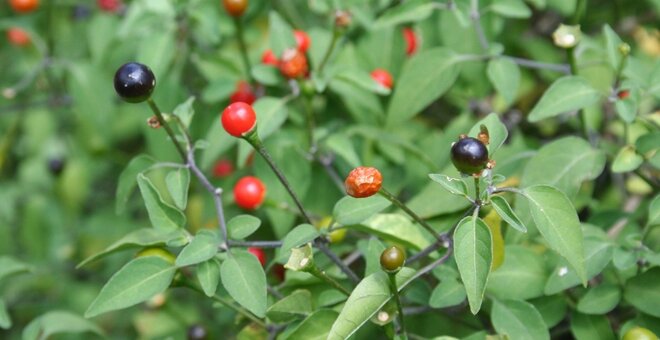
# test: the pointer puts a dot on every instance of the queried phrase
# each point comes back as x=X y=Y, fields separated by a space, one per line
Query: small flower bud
x=566 y=36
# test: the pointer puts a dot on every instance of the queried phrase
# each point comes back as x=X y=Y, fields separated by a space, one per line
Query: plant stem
x=477 y=191
x=446 y=241
x=254 y=140
x=323 y=276
x=397 y=300
x=309 y=111
x=336 y=33
x=410 y=213
x=167 y=128
x=226 y=302
x=320 y=244
x=476 y=19
x=539 y=65
x=580 y=6
x=241 y=45
x=570 y=55
x=260 y=244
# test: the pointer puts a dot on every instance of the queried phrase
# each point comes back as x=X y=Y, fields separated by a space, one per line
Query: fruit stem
x=226 y=302
x=336 y=33
x=579 y=10
x=241 y=45
x=167 y=127
x=321 y=245
x=314 y=270
x=477 y=190
x=397 y=300
x=258 y=145
x=410 y=213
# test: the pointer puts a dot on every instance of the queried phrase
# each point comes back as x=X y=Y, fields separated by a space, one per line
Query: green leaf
x=395 y=228
x=506 y=213
x=552 y=308
x=292 y=306
x=511 y=9
x=266 y=74
x=185 y=111
x=654 y=212
x=559 y=224
x=219 y=141
x=566 y=171
x=504 y=74
x=315 y=327
x=245 y=280
x=161 y=214
x=341 y=145
x=362 y=79
x=424 y=78
x=600 y=299
x=518 y=320
x=281 y=34
x=627 y=159
x=597 y=255
x=497 y=132
x=587 y=327
x=127 y=180
x=208 y=275
x=5 y=319
x=408 y=11
x=371 y=255
x=58 y=322
x=203 y=247
x=271 y=114
x=522 y=268
x=473 y=254
x=566 y=94
x=177 y=182
x=10 y=266
x=370 y=295
x=141 y=238
x=298 y=236
x=138 y=281
x=350 y=210
x=242 y=226
x=643 y=292
x=449 y=292
x=612 y=43
x=455 y=186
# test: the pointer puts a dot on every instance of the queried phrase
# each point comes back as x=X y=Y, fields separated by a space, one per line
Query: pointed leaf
x=504 y=74
x=506 y=213
x=292 y=306
x=497 y=132
x=298 y=236
x=245 y=281
x=350 y=210
x=208 y=275
x=10 y=266
x=518 y=320
x=370 y=295
x=127 y=179
x=408 y=11
x=627 y=159
x=138 y=281
x=600 y=299
x=473 y=253
x=161 y=214
x=511 y=9
x=395 y=228
x=523 y=269
x=597 y=255
x=178 y=182
x=557 y=221
x=281 y=34
x=643 y=292
x=58 y=322
x=5 y=319
x=449 y=292
x=242 y=226
x=185 y=111
x=455 y=186
x=566 y=94
x=585 y=326
x=315 y=327
x=203 y=247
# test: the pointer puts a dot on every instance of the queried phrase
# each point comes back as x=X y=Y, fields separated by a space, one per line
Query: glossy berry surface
x=110 y=6
x=302 y=40
x=363 y=182
x=269 y=58
x=24 y=6
x=469 y=155
x=639 y=333
x=382 y=77
x=293 y=64
x=238 y=119
x=134 y=82
x=249 y=192
x=235 y=8
x=259 y=253
x=223 y=168
x=392 y=259
x=243 y=94
x=411 y=41
x=18 y=36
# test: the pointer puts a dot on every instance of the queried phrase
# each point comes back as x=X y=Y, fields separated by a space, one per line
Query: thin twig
x=476 y=19
x=320 y=244
x=260 y=244
x=222 y=300
x=410 y=213
x=563 y=68
x=446 y=242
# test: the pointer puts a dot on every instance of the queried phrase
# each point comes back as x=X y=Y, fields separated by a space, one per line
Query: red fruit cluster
x=18 y=36
x=24 y=6
x=259 y=253
x=269 y=58
x=110 y=6
x=249 y=192
x=411 y=41
x=363 y=182
x=293 y=64
x=302 y=40
x=223 y=168
x=243 y=93
x=382 y=77
x=238 y=119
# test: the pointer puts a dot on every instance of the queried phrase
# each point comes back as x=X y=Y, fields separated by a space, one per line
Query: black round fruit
x=56 y=165
x=392 y=259
x=134 y=82
x=469 y=155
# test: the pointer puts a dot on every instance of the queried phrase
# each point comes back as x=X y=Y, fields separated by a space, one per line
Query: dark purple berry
x=469 y=155
x=134 y=82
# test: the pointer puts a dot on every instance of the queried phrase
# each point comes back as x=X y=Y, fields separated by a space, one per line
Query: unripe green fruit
x=392 y=259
